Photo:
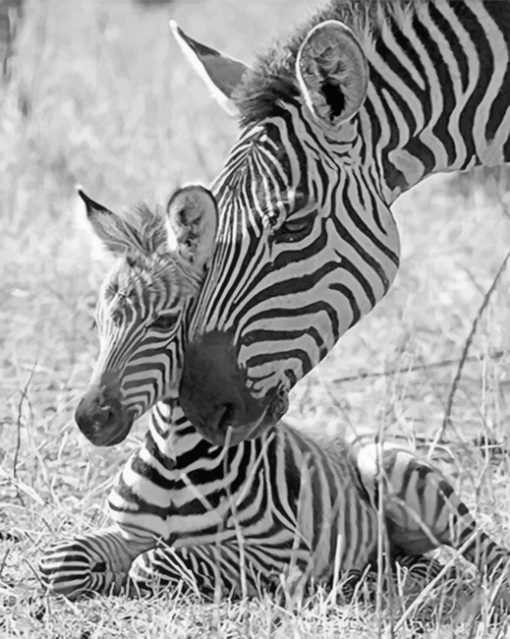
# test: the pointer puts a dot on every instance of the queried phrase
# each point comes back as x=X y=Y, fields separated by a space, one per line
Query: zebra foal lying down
x=234 y=519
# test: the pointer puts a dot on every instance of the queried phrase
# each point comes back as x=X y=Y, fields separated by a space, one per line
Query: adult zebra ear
x=221 y=73
x=332 y=73
x=192 y=224
x=111 y=229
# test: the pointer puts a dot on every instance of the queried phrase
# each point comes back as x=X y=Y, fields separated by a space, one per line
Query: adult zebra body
x=362 y=103
x=239 y=518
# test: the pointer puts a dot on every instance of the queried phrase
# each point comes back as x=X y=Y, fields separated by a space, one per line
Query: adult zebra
x=362 y=103
x=236 y=519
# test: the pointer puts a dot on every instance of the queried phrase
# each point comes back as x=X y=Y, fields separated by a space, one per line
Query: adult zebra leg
x=95 y=563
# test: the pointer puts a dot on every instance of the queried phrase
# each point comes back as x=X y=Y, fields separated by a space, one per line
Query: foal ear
x=332 y=73
x=221 y=73
x=192 y=223
x=108 y=227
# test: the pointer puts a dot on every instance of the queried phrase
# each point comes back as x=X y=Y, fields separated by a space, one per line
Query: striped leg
x=422 y=572
x=418 y=573
x=424 y=568
x=211 y=570
x=197 y=569
x=200 y=570
x=422 y=511
x=95 y=563
x=479 y=548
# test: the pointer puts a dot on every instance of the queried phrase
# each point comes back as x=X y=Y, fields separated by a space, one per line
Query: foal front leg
x=94 y=563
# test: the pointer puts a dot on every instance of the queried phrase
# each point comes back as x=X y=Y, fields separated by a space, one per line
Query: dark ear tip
x=81 y=194
x=90 y=204
x=197 y=47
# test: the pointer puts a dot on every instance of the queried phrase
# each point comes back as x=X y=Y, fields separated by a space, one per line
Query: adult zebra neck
x=439 y=92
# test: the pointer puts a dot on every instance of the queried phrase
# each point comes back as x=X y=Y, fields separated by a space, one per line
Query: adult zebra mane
x=273 y=78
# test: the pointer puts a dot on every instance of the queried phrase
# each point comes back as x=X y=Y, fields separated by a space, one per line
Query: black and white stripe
x=284 y=505
x=438 y=99
x=281 y=509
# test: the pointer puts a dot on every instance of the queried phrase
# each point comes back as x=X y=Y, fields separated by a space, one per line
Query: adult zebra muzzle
x=100 y=415
x=215 y=396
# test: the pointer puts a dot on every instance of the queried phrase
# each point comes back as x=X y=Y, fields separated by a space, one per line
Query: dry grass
x=101 y=96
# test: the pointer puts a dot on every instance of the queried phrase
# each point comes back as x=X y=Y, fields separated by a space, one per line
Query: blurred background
x=96 y=92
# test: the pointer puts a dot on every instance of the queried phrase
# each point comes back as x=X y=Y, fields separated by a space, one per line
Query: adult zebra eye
x=165 y=322
x=296 y=229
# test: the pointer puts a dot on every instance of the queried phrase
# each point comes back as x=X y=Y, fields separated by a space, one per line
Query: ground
x=101 y=96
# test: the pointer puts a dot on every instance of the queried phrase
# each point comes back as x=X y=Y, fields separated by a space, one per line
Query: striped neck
x=439 y=97
x=175 y=442
x=173 y=435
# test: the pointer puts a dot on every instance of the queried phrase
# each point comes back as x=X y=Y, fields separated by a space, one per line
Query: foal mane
x=143 y=229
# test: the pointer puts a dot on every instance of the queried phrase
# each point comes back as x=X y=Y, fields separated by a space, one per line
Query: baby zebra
x=283 y=507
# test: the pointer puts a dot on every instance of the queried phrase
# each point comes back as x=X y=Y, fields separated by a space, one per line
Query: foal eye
x=165 y=322
x=111 y=290
x=117 y=318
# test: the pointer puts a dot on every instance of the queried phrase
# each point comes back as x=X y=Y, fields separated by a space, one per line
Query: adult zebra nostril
x=227 y=417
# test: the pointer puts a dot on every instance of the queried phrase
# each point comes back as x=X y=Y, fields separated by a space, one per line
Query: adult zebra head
x=306 y=243
x=158 y=269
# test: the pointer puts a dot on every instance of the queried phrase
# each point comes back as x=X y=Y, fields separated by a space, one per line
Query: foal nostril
x=95 y=412
x=101 y=416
